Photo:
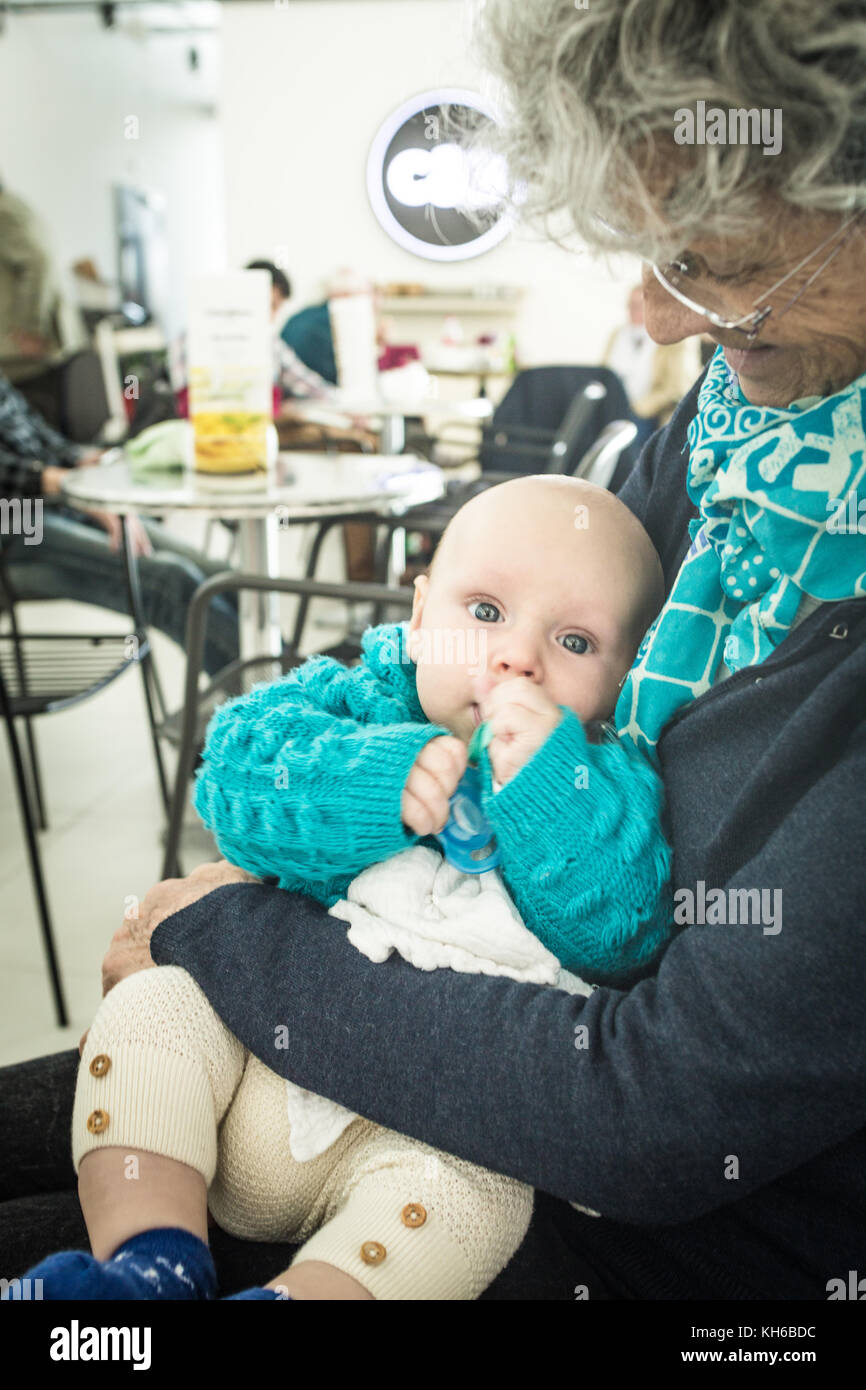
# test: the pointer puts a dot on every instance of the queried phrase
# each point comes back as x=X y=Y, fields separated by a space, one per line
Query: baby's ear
x=420 y=585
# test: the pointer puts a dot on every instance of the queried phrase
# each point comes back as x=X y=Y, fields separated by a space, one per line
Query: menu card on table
x=231 y=370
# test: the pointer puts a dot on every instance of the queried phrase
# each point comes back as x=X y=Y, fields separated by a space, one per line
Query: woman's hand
x=130 y=946
x=430 y=784
x=521 y=718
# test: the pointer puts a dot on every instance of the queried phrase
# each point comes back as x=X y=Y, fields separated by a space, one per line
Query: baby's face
x=530 y=585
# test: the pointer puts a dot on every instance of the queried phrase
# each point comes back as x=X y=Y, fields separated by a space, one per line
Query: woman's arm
x=583 y=854
x=748 y=1042
x=301 y=780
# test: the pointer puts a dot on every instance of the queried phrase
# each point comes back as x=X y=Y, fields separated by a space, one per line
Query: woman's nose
x=665 y=318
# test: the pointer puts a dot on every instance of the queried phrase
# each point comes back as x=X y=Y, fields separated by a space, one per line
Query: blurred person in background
x=78 y=556
x=656 y=376
x=295 y=375
x=31 y=343
x=306 y=332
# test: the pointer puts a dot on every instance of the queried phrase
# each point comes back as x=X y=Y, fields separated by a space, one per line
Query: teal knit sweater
x=301 y=781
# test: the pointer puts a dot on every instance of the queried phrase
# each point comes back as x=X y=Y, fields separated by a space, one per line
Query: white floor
x=103 y=843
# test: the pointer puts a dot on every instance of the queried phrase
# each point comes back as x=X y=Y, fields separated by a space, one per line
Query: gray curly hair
x=590 y=96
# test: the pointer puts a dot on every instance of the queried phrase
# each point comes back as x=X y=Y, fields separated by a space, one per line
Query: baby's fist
x=521 y=717
x=431 y=784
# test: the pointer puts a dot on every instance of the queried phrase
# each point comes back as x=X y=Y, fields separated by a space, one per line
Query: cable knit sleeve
x=301 y=780
x=583 y=853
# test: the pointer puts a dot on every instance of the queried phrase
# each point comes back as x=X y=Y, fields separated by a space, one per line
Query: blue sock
x=269 y=1294
x=167 y=1263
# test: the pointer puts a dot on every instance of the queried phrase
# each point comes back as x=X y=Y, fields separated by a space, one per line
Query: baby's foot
x=164 y=1264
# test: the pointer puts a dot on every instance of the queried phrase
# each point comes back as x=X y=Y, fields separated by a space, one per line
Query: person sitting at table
x=78 y=556
x=295 y=378
x=307 y=332
x=32 y=338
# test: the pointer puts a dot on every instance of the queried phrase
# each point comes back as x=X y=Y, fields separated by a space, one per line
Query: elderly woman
x=716 y=1116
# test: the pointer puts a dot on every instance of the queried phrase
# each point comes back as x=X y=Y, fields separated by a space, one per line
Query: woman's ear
x=421 y=585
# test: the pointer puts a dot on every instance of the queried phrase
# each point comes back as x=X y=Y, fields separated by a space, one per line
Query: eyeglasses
x=680 y=276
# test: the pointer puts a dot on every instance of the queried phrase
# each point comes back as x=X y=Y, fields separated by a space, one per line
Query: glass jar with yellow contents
x=231 y=373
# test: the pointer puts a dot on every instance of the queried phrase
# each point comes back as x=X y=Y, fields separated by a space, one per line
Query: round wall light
x=423 y=185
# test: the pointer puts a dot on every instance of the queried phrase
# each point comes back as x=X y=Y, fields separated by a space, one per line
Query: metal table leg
x=392 y=435
x=397 y=556
x=259 y=614
x=144 y=658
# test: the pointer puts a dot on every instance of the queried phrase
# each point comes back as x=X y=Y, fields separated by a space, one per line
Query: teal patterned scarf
x=774 y=489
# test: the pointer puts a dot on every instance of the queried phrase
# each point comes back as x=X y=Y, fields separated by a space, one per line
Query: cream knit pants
x=161 y=1073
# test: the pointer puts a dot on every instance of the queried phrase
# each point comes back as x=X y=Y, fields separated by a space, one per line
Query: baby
x=529 y=619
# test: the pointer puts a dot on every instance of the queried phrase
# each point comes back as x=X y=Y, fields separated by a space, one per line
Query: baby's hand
x=430 y=784
x=521 y=717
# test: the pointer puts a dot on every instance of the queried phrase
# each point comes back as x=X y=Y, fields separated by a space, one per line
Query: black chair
x=533 y=416
x=186 y=728
x=71 y=396
x=84 y=406
x=527 y=421
x=42 y=673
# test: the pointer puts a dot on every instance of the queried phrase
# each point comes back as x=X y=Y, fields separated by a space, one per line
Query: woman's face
x=815 y=348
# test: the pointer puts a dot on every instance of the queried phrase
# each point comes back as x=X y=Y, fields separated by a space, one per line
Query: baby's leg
x=260 y=1191
x=405 y=1222
x=157 y=1074
x=164 y=1194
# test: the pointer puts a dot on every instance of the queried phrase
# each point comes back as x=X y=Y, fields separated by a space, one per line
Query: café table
x=391 y=415
x=479 y=371
x=298 y=489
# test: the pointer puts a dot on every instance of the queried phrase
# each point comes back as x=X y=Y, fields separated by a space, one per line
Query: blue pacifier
x=467 y=839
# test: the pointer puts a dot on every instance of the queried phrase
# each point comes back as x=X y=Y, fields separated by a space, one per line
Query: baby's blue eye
x=573 y=642
x=484 y=612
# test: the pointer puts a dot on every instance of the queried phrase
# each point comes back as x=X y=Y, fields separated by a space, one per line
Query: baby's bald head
x=573 y=519
x=566 y=581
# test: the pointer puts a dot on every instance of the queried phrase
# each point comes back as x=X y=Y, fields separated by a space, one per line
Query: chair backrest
x=111 y=344
x=84 y=400
x=599 y=463
x=540 y=410
x=572 y=433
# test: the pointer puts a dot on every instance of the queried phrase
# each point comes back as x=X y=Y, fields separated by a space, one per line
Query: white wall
x=305 y=87
x=67 y=86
